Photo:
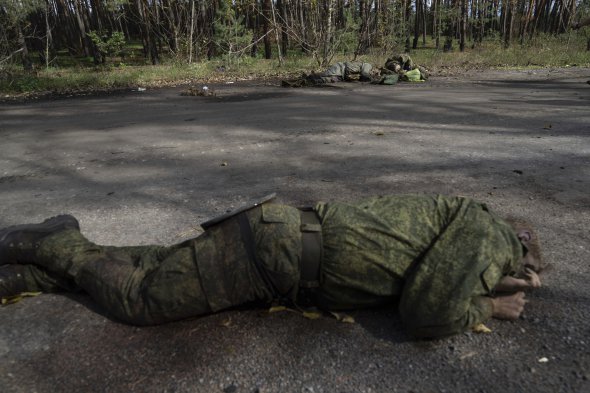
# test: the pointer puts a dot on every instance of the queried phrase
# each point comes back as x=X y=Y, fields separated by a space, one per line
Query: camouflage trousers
x=147 y=285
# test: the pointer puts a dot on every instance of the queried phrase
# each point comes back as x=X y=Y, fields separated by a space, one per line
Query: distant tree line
x=192 y=30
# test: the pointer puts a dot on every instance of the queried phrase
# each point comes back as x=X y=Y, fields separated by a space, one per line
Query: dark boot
x=19 y=243
x=12 y=280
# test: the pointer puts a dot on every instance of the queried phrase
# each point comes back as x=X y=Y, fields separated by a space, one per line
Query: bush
x=108 y=46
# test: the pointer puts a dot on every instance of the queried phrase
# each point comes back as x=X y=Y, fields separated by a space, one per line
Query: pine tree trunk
x=266 y=26
x=363 y=40
x=408 y=15
x=463 y=25
x=509 y=23
x=417 y=24
x=24 y=51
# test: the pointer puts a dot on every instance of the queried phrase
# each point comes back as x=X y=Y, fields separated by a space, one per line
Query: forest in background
x=41 y=33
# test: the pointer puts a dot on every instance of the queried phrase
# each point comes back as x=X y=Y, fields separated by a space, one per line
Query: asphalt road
x=147 y=167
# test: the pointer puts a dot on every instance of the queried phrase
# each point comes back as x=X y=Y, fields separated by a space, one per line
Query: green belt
x=311 y=256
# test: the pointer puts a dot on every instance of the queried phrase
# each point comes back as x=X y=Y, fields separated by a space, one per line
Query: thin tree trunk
x=463 y=25
x=438 y=22
x=423 y=22
x=82 y=30
x=274 y=22
x=363 y=29
x=509 y=22
x=408 y=15
x=417 y=24
x=281 y=5
x=24 y=53
x=265 y=25
x=254 y=25
x=327 y=50
x=192 y=28
x=48 y=37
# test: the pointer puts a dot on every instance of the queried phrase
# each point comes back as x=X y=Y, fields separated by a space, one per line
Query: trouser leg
x=145 y=291
x=229 y=273
x=139 y=285
x=154 y=284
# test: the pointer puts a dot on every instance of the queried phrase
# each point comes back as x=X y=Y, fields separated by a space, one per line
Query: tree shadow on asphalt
x=377 y=174
x=383 y=324
x=357 y=111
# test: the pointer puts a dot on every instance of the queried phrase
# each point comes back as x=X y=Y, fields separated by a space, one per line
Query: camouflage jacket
x=437 y=257
x=349 y=70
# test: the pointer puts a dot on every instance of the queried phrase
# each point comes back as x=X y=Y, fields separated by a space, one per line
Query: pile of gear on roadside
x=397 y=68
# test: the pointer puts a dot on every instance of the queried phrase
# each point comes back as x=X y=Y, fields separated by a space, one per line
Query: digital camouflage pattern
x=400 y=67
x=344 y=71
x=147 y=285
x=437 y=257
x=230 y=279
x=403 y=65
x=400 y=62
x=139 y=285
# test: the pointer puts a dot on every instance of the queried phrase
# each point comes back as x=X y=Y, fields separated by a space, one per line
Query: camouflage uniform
x=437 y=257
x=147 y=285
x=345 y=71
x=401 y=64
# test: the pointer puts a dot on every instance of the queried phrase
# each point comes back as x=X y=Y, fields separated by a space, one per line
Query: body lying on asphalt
x=400 y=67
x=447 y=263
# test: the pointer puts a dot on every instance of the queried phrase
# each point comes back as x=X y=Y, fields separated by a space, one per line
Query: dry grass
x=543 y=51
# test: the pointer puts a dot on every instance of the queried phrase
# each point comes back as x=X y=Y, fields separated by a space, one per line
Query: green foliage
x=231 y=37
x=583 y=9
x=347 y=37
x=14 y=11
x=393 y=37
x=108 y=46
x=13 y=14
x=545 y=51
x=26 y=84
x=582 y=13
x=115 y=5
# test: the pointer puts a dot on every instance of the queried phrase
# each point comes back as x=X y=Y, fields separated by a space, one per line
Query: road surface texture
x=148 y=167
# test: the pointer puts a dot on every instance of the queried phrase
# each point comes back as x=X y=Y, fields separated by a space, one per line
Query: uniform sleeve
x=444 y=298
x=419 y=322
x=447 y=291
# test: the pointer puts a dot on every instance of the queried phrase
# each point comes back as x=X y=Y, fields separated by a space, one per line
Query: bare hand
x=508 y=307
x=531 y=280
